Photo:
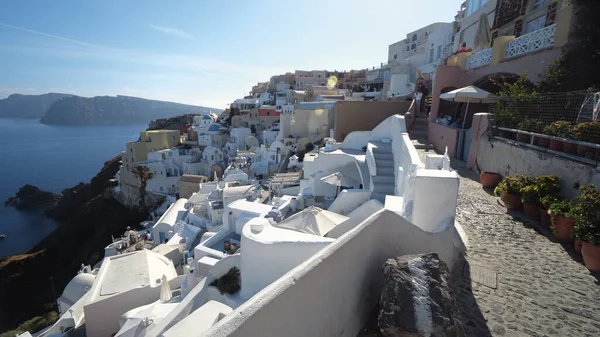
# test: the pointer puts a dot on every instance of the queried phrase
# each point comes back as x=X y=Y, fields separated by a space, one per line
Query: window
x=413 y=47
x=431 y=55
x=474 y=5
x=173 y=137
x=150 y=139
x=396 y=57
x=539 y=3
x=212 y=157
x=161 y=188
x=414 y=38
x=439 y=52
x=171 y=153
x=535 y=24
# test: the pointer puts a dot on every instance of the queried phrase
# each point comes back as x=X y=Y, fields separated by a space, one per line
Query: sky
x=196 y=52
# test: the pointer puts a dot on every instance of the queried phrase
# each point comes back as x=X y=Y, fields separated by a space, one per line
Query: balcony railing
x=540 y=39
x=480 y=59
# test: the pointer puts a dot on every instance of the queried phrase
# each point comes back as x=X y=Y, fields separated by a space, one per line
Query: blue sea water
x=51 y=158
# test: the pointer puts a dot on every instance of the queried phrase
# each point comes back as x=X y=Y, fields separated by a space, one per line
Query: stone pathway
x=515 y=281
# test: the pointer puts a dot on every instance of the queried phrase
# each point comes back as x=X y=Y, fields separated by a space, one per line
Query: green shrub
x=562 y=129
x=564 y=208
x=587 y=132
x=34 y=324
x=531 y=125
x=587 y=217
x=530 y=194
x=228 y=283
x=513 y=184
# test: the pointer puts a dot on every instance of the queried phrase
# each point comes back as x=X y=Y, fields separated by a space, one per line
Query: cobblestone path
x=541 y=287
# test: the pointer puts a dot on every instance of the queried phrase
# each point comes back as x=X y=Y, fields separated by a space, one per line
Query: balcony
x=480 y=59
x=528 y=43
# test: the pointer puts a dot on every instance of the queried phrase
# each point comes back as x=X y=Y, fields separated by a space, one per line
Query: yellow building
x=152 y=141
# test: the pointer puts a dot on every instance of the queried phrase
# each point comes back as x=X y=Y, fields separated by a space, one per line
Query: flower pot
x=581 y=150
x=523 y=138
x=531 y=211
x=555 y=145
x=544 y=217
x=577 y=245
x=543 y=142
x=591 y=256
x=569 y=148
x=511 y=201
x=562 y=227
x=489 y=179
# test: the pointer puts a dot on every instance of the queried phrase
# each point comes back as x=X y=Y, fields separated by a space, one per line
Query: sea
x=51 y=158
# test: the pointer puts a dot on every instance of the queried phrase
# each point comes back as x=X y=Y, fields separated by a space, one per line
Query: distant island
x=64 y=109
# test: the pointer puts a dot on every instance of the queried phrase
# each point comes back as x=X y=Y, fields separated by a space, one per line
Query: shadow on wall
x=472 y=319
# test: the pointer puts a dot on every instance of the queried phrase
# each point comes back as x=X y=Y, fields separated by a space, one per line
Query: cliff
x=30 y=196
x=108 y=110
x=28 y=106
x=172 y=123
x=88 y=217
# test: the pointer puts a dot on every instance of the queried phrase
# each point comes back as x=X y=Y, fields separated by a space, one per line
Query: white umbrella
x=483 y=35
x=470 y=94
x=313 y=220
x=165 y=289
x=338 y=179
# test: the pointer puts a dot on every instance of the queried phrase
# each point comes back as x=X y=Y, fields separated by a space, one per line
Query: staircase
x=418 y=133
x=384 y=181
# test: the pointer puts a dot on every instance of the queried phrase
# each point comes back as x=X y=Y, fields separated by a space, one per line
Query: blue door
x=162 y=236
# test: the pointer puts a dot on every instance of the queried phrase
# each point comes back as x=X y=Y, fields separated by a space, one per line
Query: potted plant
x=560 y=129
x=509 y=189
x=545 y=203
x=562 y=216
x=530 y=197
x=489 y=179
x=588 y=132
x=531 y=125
x=587 y=226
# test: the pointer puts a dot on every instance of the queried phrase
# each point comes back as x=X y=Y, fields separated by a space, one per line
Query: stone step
x=383 y=179
x=385 y=170
x=383 y=188
x=418 y=133
x=383 y=163
x=382 y=150
x=378 y=196
x=384 y=155
x=422 y=144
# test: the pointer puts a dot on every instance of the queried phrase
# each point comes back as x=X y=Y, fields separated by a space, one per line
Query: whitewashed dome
x=78 y=286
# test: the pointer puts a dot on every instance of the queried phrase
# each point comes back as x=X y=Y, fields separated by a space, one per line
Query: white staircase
x=383 y=183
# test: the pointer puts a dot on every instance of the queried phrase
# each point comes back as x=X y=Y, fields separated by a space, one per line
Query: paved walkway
x=516 y=281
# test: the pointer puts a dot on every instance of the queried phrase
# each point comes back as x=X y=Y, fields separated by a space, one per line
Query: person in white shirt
x=418 y=98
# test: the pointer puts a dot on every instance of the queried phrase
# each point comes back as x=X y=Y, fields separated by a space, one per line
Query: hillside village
x=322 y=197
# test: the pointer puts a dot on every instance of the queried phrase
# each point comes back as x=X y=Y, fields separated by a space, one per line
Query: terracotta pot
x=543 y=142
x=577 y=245
x=591 y=256
x=489 y=179
x=532 y=211
x=581 y=150
x=569 y=148
x=523 y=138
x=555 y=145
x=562 y=227
x=544 y=217
x=511 y=201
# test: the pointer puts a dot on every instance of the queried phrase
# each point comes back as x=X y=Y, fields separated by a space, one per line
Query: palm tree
x=144 y=175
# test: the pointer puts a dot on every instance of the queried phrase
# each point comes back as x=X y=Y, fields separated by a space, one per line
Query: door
x=162 y=236
x=467 y=146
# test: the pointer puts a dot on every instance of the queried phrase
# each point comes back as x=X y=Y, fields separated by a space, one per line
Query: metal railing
x=480 y=59
x=537 y=40
x=536 y=141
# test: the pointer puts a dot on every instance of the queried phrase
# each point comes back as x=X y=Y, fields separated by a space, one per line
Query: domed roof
x=78 y=286
x=214 y=127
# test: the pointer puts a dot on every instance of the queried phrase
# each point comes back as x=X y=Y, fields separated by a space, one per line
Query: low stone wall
x=505 y=158
x=347 y=276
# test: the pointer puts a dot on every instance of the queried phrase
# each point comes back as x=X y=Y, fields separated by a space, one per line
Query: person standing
x=418 y=100
x=425 y=92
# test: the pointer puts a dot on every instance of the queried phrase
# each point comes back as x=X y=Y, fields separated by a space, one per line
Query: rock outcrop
x=109 y=110
x=172 y=123
x=417 y=300
x=30 y=196
x=88 y=216
x=28 y=106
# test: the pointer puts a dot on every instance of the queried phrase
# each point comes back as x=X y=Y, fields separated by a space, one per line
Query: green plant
x=587 y=132
x=587 y=230
x=531 y=125
x=506 y=117
x=562 y=129
x=513 y=184
x=228 y=283
x=548 y=186
x=563 y=207
x=548 y=200
x=587 y=215
x=530 y=194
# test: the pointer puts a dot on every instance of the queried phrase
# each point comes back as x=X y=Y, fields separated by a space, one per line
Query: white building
x=124 y=282
x=162 y=230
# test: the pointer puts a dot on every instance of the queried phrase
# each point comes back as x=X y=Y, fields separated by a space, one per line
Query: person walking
x=418 y=99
